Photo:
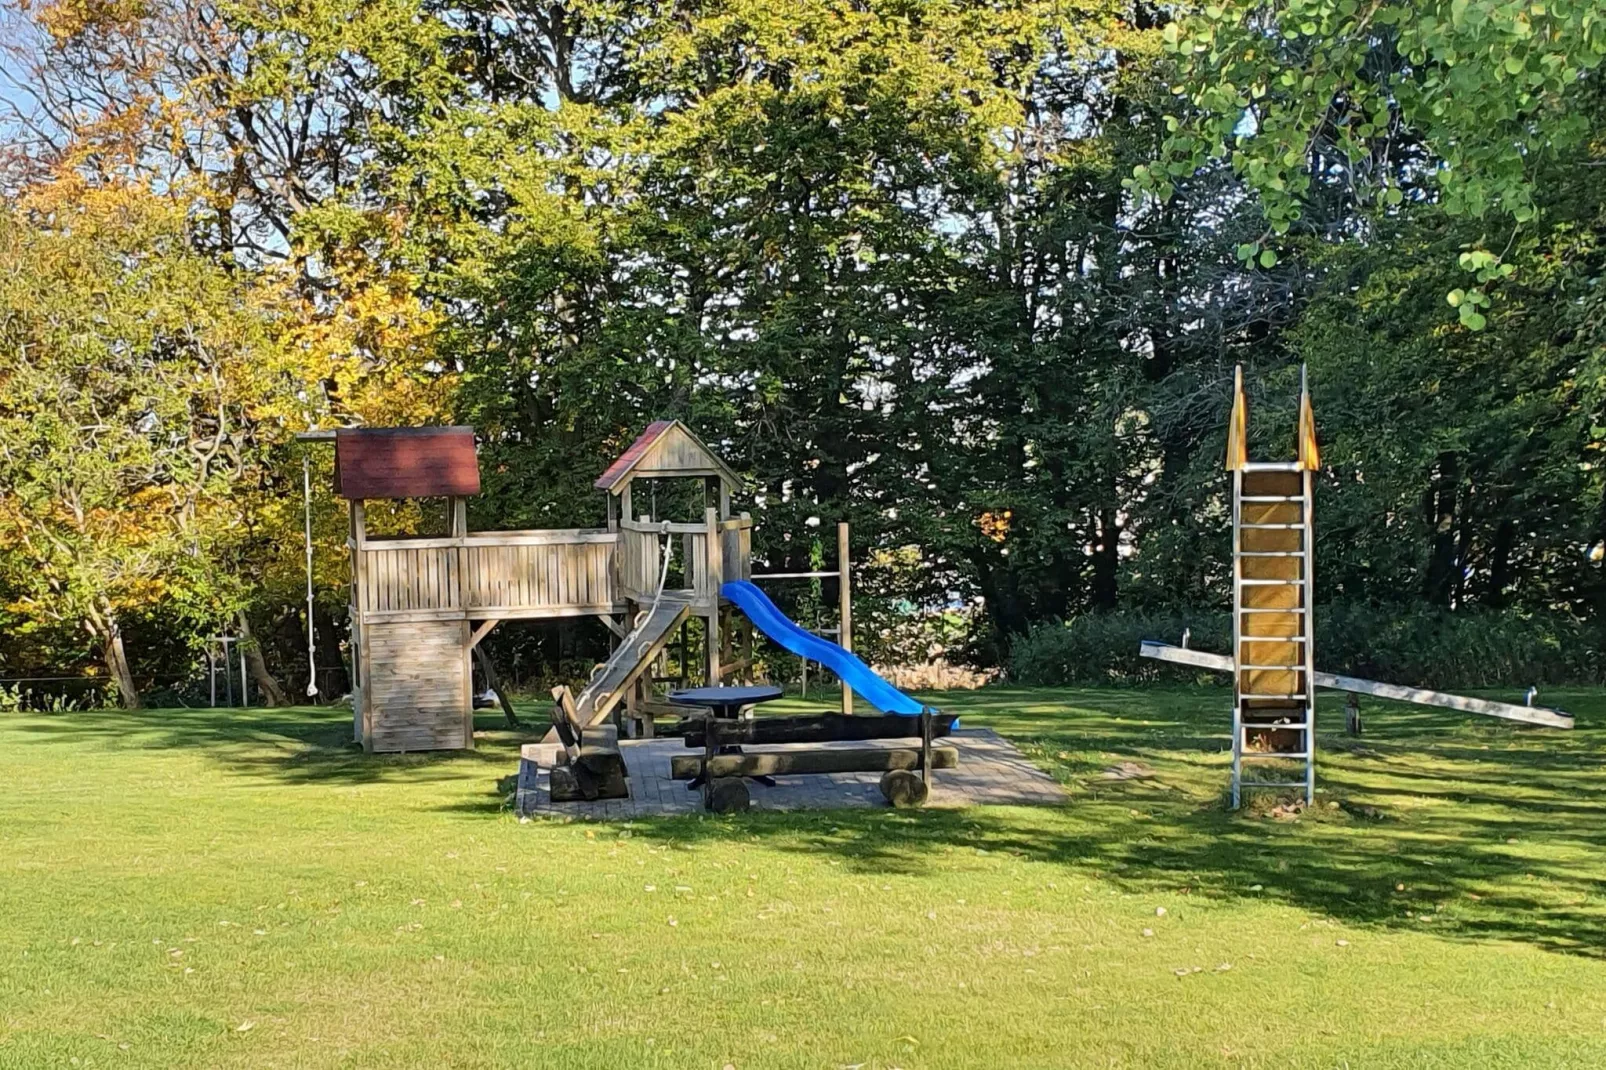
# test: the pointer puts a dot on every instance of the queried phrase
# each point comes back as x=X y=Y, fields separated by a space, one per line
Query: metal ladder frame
x=1307 y=584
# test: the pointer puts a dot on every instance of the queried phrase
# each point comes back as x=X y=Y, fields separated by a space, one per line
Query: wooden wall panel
x=1282 y=540
x=416 y=685
x=1268 y=484
x=1273 y=596
x=1270 y=624
x=1272 y=512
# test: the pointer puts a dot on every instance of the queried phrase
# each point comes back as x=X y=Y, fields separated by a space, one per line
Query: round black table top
x=718 y=698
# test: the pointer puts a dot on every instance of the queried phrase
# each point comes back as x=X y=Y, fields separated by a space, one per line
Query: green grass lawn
x=184 y=888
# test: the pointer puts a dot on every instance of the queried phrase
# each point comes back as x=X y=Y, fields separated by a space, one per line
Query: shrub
x=1422 y=646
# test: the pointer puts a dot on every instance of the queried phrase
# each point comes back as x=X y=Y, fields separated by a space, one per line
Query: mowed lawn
x=184 y=888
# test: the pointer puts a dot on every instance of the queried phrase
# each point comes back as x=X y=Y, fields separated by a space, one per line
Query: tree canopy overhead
x=900 y=261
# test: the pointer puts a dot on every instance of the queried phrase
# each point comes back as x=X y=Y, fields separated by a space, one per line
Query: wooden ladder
x=1274 y=685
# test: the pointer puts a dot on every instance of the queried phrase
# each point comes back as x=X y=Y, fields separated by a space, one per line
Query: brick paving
x=991 y=772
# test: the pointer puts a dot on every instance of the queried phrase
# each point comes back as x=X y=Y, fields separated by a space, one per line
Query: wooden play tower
x=419 y=605
x=1273 y=594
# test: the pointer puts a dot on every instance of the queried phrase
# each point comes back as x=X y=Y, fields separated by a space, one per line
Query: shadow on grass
x=1481 y=832
x=1493 y=831
x=295 y=745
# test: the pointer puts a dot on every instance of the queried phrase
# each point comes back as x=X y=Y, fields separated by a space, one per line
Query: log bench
x=906 y=771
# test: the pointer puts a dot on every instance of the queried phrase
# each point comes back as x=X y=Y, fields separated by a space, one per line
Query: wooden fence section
x=490 y=574
x=512 y=574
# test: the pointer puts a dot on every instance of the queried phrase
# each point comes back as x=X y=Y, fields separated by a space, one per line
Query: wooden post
x=359 y=591
x=458 y=513
x=457 y=590
x=845 y=600
x=715 y=575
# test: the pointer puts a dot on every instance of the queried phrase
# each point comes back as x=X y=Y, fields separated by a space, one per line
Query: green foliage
x=1412 y=645
x=131 y=374
x=889 y=260
x=1461 y=101
x=1102 y=649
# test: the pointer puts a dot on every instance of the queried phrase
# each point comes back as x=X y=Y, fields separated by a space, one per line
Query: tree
x=133 y=374
x=1462 y=102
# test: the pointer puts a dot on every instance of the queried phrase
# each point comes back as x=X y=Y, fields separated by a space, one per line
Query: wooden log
x=818 y=728
x=904 y=789
x=728 y=795
x=595 y=774
x=804 y=762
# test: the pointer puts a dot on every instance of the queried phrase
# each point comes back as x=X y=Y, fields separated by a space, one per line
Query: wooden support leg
x=925 y=744
x=1352 y=714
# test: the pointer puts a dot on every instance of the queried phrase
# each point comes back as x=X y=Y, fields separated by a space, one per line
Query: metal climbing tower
x=1274 y=686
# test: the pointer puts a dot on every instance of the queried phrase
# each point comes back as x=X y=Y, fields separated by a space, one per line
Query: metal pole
x=245 y=695
x=211 y=672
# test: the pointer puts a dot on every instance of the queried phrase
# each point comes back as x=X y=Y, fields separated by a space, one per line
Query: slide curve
x=855 y=673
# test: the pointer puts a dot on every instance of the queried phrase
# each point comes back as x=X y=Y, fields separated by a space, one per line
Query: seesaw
x=1355 y=685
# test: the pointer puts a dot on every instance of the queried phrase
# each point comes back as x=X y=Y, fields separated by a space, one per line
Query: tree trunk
x=103 y=625
x=1106 y=561
x=272 y=694
x=1439 y=510
x=328 y=636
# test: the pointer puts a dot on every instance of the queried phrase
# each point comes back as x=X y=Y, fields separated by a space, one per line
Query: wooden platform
x=991 y=771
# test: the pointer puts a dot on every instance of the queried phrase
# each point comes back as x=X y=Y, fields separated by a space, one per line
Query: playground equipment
x=421 y=605
x=1273 y=660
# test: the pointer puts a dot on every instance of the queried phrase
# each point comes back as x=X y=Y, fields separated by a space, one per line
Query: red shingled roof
x=627 y=460
x=406 y=462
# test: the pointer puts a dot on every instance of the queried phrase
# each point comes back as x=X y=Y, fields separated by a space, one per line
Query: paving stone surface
x=991 y=772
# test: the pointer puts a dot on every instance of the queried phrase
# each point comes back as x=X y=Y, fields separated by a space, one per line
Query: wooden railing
x=548 y=573
x=540 y=571
x=709 y=554
x=501 y=573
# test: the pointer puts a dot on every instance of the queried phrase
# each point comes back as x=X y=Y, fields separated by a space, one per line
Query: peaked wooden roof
x=406 y=462
x=666 y=448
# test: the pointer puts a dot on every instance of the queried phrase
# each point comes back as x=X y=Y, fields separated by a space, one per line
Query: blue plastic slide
x=855 y=673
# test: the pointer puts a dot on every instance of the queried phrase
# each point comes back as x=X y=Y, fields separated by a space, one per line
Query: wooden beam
x=844 y=637
x=802 y=762
x=482 y=631
x=808 y=729
x=1510 y=711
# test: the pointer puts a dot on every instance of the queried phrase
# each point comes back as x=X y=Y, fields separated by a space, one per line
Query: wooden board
x=1272 y=512
x=1282 y=540
x=1266 y=484
x=633 y=657
x=809 y=729
x=1273 y=596
x=1261 y=652
x=1271 y=682
x=1271 y=568
x=1251 y=624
